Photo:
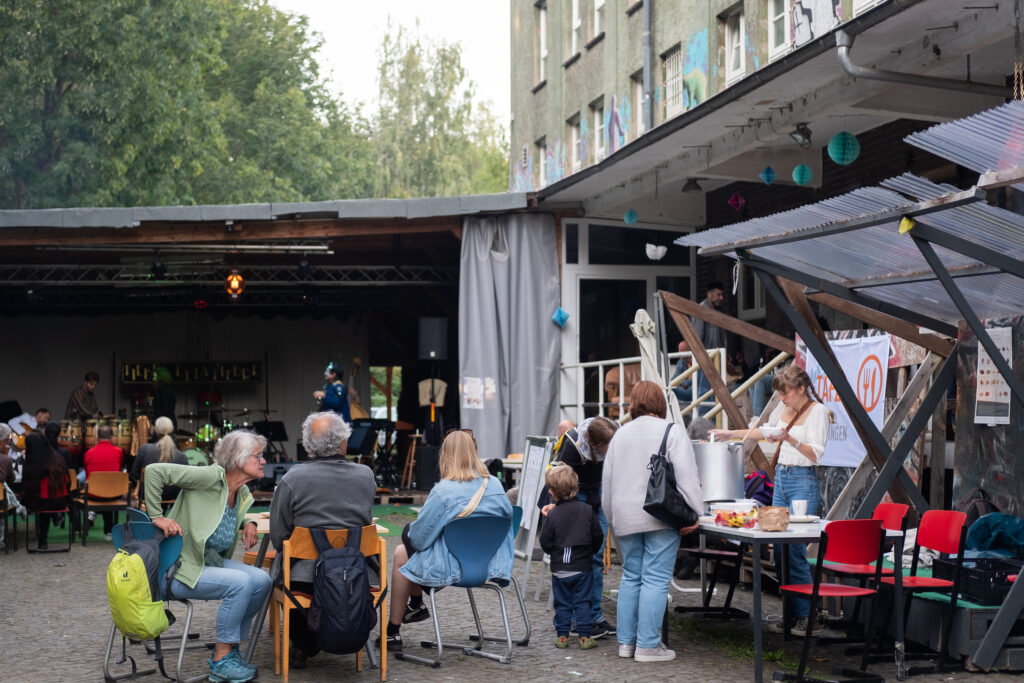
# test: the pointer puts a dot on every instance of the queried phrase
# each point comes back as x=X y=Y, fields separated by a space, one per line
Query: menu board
x=992 y=406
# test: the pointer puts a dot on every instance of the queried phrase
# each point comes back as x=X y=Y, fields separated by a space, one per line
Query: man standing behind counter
x=82 y=402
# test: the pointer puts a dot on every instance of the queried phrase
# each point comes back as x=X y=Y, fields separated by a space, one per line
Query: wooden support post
x=937 y=483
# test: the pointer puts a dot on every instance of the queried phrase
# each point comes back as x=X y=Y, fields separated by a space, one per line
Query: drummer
x=82 y=402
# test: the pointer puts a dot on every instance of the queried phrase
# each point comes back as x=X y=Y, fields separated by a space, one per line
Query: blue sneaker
x=231 y=669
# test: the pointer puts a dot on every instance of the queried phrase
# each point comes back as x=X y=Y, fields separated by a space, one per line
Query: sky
x=353 y=30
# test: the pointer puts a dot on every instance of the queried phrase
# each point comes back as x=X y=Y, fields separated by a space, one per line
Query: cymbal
x=188 y=416
x=248 y=411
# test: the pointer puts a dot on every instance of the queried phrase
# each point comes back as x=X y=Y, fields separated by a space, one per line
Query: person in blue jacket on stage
x=334 y=395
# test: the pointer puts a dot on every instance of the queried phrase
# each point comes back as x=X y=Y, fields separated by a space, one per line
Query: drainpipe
x=648 y=50
x=844 y=42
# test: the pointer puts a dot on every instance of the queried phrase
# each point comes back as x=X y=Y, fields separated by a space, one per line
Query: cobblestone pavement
x=55 y=623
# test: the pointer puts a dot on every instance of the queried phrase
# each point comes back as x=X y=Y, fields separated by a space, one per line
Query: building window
x=672 y=77
x=575 y=27
x=574 y=143
x=779 y=17
x=751 y=298
x=864 y=5
x=598 y=17
x=735 y=63
x=638 y=103
x=542 y=41
x=597 y=116
x=541 y=154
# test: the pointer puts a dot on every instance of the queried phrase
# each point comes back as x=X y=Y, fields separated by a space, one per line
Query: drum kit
x=78 y=436
x=205 y=435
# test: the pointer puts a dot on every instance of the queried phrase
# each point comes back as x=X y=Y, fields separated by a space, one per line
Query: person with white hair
x=208 y=514
x=163 y=450
x=327 y=492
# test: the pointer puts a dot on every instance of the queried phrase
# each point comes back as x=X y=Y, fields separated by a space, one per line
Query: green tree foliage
x=379 y=373
x=430 y=137
x=156 y=102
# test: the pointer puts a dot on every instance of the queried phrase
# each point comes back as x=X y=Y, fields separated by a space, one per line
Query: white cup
x=799 y=508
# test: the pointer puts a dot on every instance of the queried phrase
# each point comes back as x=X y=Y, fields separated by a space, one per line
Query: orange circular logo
x=869 y=382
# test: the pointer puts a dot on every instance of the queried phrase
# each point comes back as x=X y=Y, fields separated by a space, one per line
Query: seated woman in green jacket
x=208 y=513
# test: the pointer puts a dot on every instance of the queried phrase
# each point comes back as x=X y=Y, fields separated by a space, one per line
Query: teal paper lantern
x=630 y=217
x=844 y=148
x=560 y=317
x=768 y=175
x=802 y=174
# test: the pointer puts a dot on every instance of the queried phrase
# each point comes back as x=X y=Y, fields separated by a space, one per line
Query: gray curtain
x=508 y=344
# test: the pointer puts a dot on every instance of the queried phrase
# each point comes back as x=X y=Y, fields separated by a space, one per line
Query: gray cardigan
x=624 y=483
x=331 y=493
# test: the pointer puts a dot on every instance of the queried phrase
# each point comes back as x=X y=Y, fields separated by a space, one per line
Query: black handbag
x=664 y=502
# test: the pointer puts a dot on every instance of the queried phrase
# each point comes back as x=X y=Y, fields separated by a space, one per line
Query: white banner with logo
x=864 y=362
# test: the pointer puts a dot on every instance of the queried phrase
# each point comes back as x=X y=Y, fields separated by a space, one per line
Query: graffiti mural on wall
x=616 y=123
x=521 y=173
x=555 y=168
x=695 y=70
x=814 y=18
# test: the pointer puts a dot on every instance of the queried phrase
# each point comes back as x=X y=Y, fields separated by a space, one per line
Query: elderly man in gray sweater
x=328 y=492
x=648 y=546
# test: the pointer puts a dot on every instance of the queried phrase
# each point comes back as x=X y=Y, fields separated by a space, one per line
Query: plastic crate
x=984 y=581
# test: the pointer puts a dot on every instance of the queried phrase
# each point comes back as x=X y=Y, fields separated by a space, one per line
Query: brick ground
x=55 y=624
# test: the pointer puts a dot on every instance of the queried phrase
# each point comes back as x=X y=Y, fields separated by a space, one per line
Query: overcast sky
x=353 y=31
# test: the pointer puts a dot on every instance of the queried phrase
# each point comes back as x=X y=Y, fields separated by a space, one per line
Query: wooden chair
x=300 y=546
x=102 y=492
x=60 y=505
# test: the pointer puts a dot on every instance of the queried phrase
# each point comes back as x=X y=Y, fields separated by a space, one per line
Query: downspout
x=844 y=42
x=648 y=50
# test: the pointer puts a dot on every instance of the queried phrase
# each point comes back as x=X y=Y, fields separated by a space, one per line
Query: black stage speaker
x=427 y=473
x=433 y=338
x=361 y=442
x=273 y=431
x=272 y=473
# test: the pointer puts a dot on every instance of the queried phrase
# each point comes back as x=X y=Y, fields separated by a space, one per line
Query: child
x=570 y=535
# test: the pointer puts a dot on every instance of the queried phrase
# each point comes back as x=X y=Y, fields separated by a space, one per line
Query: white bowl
x=770 y=431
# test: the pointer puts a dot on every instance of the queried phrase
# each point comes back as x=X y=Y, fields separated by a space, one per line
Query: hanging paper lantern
x=737 y=201
x=844 y=148
x=560 y=316
x=630 y=217
x=768 y=175
x=802 y=174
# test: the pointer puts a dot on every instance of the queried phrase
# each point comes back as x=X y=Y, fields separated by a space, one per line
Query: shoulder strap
x=474 y=501
x=800 y=412
x=664 y=440
x=355 y=537
x=320 y=540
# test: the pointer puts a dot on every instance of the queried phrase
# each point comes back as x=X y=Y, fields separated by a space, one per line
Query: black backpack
x=342 y=612
x=976 y=503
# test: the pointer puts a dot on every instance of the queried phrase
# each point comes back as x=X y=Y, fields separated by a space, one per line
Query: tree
x=430 y=139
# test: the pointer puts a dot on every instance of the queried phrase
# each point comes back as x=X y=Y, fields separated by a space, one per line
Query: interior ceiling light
x=691 y=186
x=802 y=135
x=234 y=284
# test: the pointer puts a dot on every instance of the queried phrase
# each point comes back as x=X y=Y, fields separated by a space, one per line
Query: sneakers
x=561 y=642
x=602 y=628
x=92 y=516
x=654 y=654
x=627 y=651
x=587 y=643
x=231 y=669
x=394 y=643
x=108 y=537
x=800 y=627
x=414 y=614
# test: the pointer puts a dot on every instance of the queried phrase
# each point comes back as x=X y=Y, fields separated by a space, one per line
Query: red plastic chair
x=855 y=542
x=894 y=518
x=944 y=531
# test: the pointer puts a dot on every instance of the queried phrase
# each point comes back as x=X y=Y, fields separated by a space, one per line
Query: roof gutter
x=750 y=83
x=844 y=41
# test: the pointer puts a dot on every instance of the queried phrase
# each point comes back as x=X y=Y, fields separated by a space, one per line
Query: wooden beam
x=219 y=232
x=700 y=354
x=677 y=304
x=888 y=323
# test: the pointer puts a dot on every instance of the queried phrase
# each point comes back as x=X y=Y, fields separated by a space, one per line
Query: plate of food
x=803 y=519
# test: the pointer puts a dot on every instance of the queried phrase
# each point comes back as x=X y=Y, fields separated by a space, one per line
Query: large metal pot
x=720 y=466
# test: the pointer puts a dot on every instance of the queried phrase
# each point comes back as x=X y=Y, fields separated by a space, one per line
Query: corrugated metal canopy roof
x=990 y=141
x=853 y=241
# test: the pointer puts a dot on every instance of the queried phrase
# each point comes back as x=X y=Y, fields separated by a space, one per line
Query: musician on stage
x=333 y=395
x=82 y=402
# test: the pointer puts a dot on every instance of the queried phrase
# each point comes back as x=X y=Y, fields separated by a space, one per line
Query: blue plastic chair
x=170 y=550
x=473 y=540
x=517 y=517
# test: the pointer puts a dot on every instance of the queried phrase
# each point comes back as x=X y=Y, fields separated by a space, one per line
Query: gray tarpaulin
x=508 y=344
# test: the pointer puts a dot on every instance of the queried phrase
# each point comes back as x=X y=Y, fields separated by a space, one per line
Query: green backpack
x=133 y=590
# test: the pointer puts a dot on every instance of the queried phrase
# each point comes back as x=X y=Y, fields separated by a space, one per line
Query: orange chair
x=300 y=546
x=102 y=492
x=853 y=542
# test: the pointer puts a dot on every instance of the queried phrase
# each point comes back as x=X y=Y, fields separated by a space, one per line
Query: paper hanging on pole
x=992 y=404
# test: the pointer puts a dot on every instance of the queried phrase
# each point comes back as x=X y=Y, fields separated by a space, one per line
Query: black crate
x=984 y=580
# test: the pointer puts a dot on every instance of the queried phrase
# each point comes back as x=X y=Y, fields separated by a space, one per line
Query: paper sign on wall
x=992 y=406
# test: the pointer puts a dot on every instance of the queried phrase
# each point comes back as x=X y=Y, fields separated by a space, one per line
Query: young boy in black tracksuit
x=570 y=535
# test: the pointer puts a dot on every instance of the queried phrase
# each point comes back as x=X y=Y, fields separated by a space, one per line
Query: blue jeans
x=598 y=584
x=240 y=587
x=797 y=483
x=572 y=596
x=647 y=562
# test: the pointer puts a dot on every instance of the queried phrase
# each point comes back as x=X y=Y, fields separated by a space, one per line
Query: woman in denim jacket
x=428 y=562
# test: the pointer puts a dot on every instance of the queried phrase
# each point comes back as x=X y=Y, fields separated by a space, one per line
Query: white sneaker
x=108 y=537
x=92 y=516
x=654 y=654
x=627 y=651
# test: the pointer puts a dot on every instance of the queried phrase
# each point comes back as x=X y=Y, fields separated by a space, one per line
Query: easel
x=536 y=457
x=410 y=459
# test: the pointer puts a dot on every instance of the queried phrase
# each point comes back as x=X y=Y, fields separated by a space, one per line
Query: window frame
x=575 y=158
x=673 y=82
x=575 y=27
x=597 y=116
x=775 y=51
x=735 y=71
x=751 y=310
x=541 y=150
x=598 y=17
x=542 y=41
x=638 y=96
